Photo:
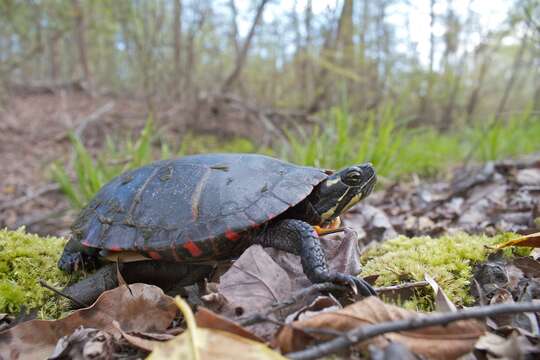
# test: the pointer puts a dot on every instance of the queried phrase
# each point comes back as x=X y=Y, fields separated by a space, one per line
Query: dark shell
x=192 y=199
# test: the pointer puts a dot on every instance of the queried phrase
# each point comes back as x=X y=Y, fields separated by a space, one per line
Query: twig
x=30 y=196
x=96 y=115
x=297 y=296
x=401 y=286
x=87 y=120
x=307 y=291
x=60 y=293
x=31 y=220
x=369 y=331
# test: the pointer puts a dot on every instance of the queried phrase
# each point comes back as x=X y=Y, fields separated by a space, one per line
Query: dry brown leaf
x=210 y=320
x=529 y=266
x=531 y=240
x=442 y=302
x=201 y=343
x=85 y=343
x=262 y=277
x=253 y=284
x=514 y=347
x=140 y=307
x=435 y=342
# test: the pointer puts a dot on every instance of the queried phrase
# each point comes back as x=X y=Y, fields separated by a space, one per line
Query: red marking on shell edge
x=193 y=249
x=175 y=254
x=255 y=226
x=154 y=255
x=85 y=243
x=231 y=235
x=114 y=248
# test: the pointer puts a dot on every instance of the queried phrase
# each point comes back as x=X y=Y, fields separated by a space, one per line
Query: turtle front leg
x=299 y=238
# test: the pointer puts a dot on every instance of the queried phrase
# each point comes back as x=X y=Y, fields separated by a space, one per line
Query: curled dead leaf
x=531 y=240
x=442 y=302
x=210 y=320
x=435 y=342
x=84 y=343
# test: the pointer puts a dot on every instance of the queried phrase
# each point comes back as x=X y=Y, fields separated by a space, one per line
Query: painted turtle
x=211 y=207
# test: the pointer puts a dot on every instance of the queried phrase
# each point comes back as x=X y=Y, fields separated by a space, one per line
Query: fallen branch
x=93 y=117
x=40 y=217
x=28 y=197
x=38 y=88
x=401 y=286
x=369 y=331
x=295 y=298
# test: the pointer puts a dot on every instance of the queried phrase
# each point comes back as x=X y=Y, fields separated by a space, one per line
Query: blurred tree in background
x=292 y=55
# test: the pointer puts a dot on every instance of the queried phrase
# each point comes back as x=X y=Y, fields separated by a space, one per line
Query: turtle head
x=343 y=189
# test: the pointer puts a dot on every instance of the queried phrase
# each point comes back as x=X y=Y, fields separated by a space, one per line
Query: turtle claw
x=358 y=286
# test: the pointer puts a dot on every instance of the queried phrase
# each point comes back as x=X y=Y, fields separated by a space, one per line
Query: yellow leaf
x=531 y=240
x=201 y=343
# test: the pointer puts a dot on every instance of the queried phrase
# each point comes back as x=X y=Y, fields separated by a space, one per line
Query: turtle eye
x=352 y=178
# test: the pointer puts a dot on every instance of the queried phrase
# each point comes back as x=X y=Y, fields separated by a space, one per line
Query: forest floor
x=490 y=198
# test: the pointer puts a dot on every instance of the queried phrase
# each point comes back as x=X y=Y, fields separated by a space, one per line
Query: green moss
x=448 y=259
x=24 y=260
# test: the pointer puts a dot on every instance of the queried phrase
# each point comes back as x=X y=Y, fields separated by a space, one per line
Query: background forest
x=413 y=86
x=284 y=55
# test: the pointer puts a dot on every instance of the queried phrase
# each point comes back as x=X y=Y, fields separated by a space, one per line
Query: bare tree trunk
x=234 y=25
x=191 y=64
x=177 y=31
x=235 y=41
x=426 y=98
x=53 y=58
x=536 y=96
x=240 y=61
x=484 y=67
x=306 y=64
x=516 y=66
x=454 y=30
x=383 y=57
x=363 y=65
x=80 y=35
x=321 y=82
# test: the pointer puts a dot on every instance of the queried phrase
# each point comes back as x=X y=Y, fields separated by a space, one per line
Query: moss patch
x=448 y=259
x=24 y=260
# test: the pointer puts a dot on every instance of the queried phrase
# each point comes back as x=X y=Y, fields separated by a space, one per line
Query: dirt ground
x=33 y=133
